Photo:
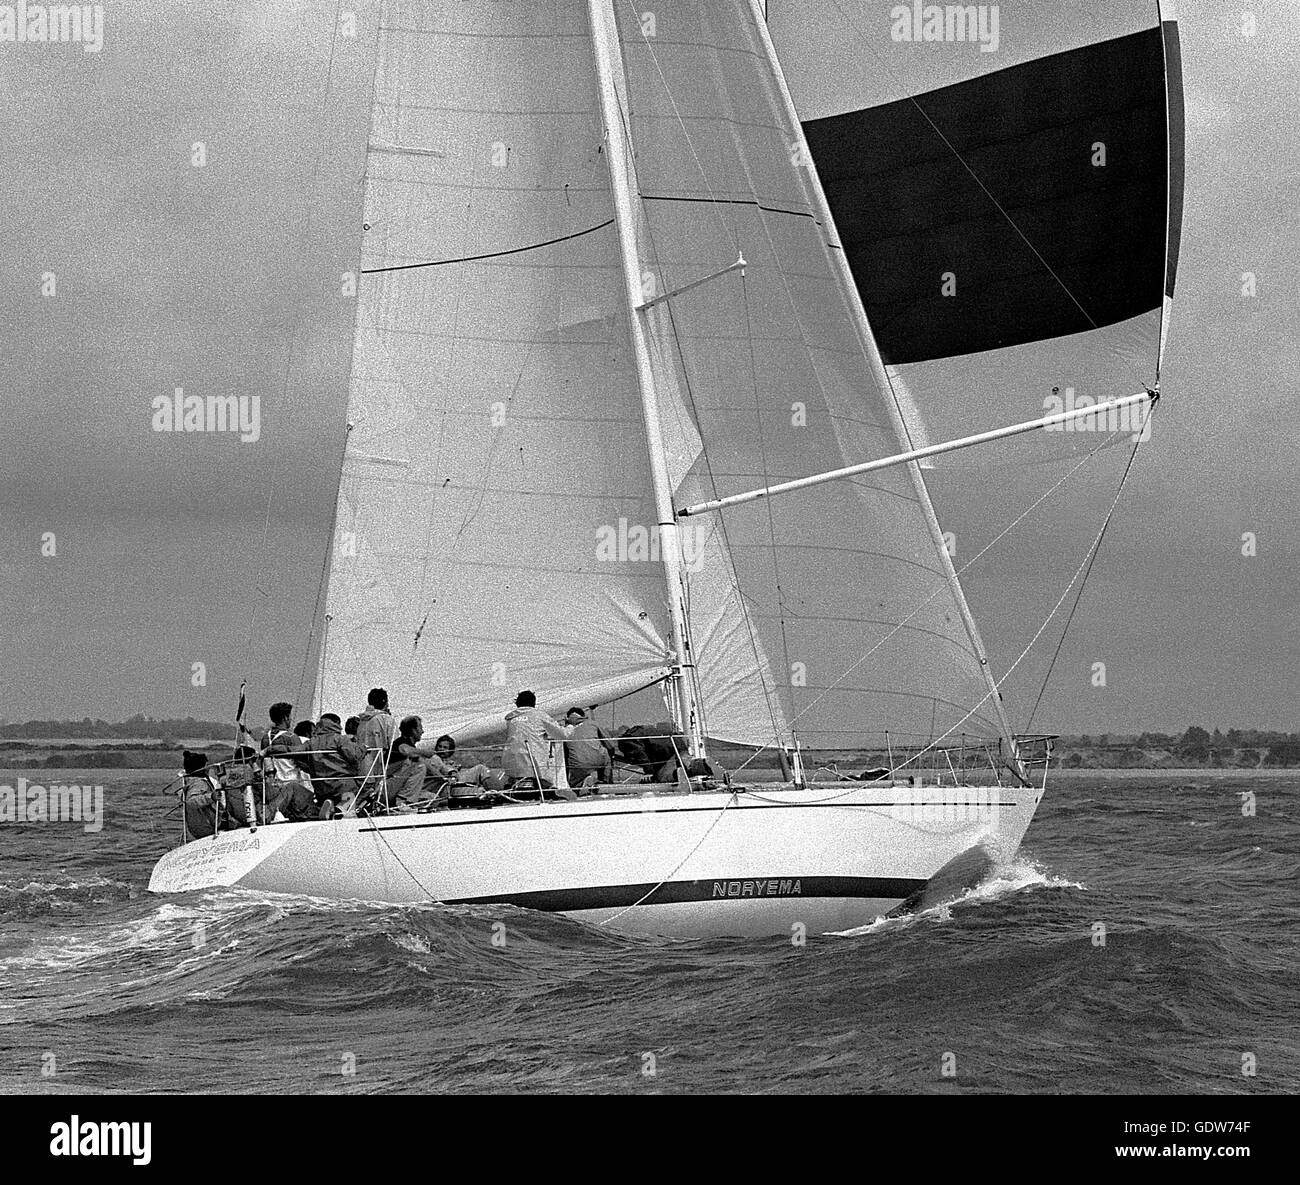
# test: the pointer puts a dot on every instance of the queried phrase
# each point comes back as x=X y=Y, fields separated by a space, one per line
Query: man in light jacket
x=529 y=752
x=288 y=796
x=375 y=732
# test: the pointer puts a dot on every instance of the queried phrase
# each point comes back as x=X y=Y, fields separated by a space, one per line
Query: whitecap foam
x=412 y=942
x=92 y=882
x=1021 y=873
x=171 y=926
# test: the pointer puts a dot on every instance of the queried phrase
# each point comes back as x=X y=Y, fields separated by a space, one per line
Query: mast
x=872 y=350
x=622 y=174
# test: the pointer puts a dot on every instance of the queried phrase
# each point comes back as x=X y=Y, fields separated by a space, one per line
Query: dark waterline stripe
x=679 y=892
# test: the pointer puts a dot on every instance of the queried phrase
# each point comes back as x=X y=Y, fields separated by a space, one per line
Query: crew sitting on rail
x=337 y=763
x=289 y=797
x=407 y=769
x=443 y=764
x=588 y=753
x=200 y=796
x=654 y=747
x=529 y=754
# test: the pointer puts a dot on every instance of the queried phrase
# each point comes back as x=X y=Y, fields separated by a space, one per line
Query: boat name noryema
x=759 y=888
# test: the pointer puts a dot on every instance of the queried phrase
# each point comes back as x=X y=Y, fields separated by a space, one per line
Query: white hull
x=758 y=862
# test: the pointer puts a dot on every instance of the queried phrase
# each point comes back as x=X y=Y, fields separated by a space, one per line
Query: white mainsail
x=495 y=499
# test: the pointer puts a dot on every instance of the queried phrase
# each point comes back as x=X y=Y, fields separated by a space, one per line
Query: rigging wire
x=1084 y=564
x=921 y=605
x=322 y=593
x=375 y=829
x=731 y=799
x=771 y=517
x=730 y=233
x=713 y=200
x=1087 y=572
x=721 y=524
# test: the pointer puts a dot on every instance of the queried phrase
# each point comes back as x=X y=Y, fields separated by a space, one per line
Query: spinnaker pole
x=868 y=341
x=622 y=173
x=1100 y=413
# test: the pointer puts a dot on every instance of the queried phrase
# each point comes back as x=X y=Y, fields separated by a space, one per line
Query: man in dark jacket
x=242 y=772
x=337 y=763
x=654 y=747
x=199 y=795
x=588 y=753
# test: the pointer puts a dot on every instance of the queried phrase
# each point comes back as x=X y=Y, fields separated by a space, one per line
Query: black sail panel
x=992 y=190
x=1177 y=134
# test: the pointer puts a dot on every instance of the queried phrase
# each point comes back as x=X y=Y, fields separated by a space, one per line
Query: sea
x=1143 y=941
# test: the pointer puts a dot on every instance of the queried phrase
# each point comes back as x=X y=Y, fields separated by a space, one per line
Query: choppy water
x=104 y=987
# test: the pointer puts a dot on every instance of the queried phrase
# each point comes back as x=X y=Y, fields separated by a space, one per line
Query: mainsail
x=494 y=515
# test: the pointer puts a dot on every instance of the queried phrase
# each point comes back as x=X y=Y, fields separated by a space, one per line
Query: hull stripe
x=716 y=889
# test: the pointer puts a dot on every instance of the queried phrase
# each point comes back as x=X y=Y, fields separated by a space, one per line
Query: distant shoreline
x=1201 y=771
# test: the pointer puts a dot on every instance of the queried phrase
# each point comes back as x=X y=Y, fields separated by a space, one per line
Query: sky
x=225 y=278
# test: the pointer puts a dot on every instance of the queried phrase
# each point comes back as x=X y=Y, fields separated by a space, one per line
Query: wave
x=1003 y=883
x=22 y=899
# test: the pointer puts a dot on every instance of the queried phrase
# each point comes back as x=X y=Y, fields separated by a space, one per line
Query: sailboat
x=650 y=379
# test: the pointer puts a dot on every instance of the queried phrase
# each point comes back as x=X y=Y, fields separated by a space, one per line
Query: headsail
x=832 y=612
